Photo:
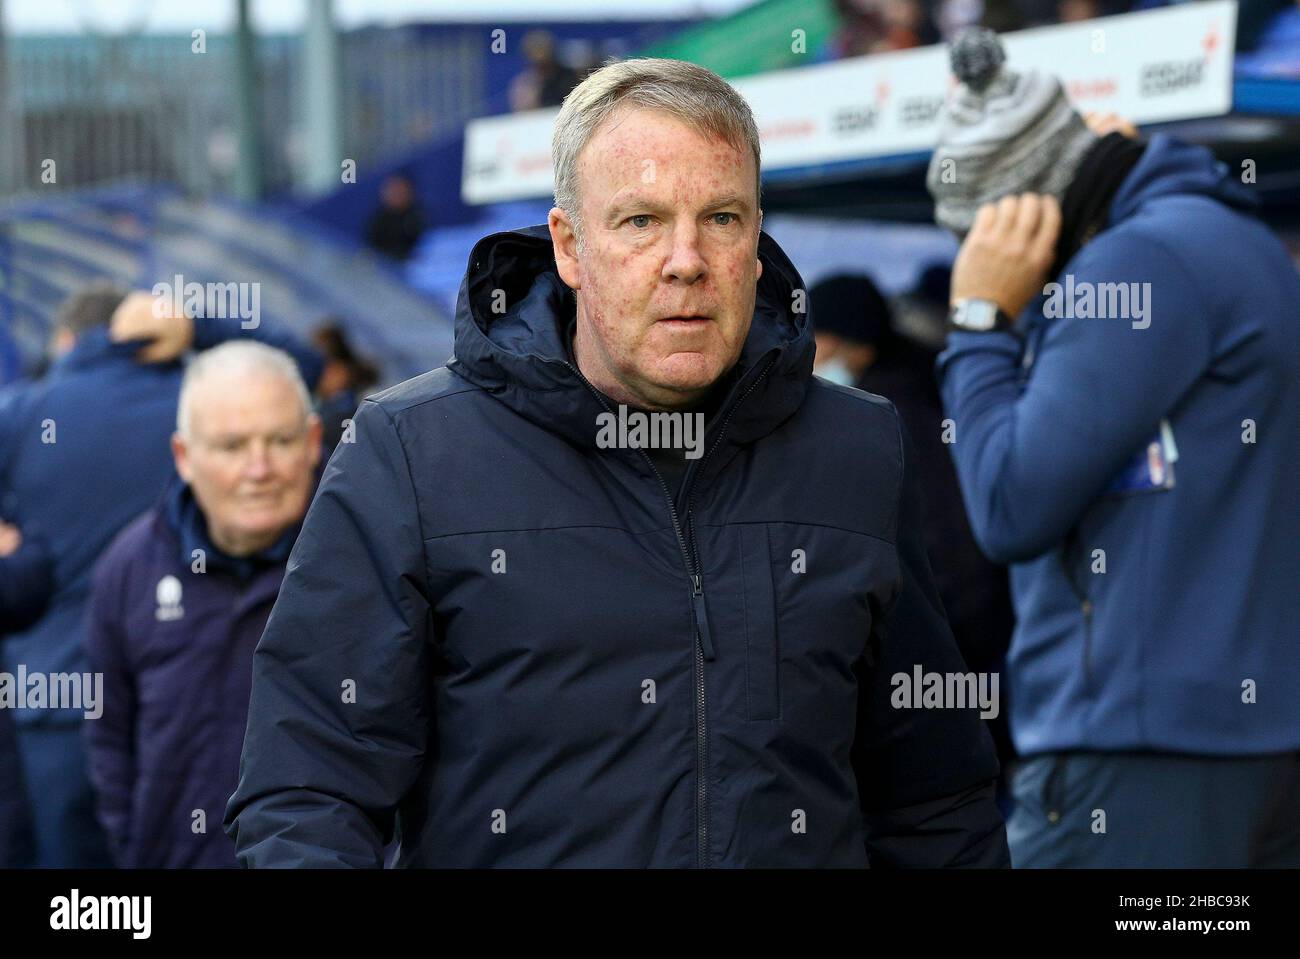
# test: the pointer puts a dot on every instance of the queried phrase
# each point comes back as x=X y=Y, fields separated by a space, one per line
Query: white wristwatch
x=974 y=315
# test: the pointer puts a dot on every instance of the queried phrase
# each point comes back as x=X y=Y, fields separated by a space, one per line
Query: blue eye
x=640 y=216
x=731 y=220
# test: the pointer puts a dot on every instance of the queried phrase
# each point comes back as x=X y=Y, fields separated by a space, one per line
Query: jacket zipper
x=1085 y=606
x=699 y=608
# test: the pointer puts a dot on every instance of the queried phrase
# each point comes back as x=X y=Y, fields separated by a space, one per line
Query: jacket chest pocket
x=762 y=649
x=802 y=607
x=824 y=583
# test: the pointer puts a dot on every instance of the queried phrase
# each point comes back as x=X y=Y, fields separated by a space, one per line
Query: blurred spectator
x=179 y=601
x=546 y=81
x=1129 y=446
x=858 y=346
x=343 y=383
x=878 y=26
x=398 y=224
x=908 y=23
x=1003 y=16
x=83 y=451
x=1072 y=11
x=953 y=16
x=17 y=850
x=583 y=58
x=25 y=581
x=922 y=313
x=861 y=26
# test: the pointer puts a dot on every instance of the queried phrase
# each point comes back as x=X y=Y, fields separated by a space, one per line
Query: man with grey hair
x=515 y=635
x=83 y=451
x=180 y=598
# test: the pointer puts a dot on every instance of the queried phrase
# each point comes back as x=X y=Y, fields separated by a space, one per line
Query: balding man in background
x=179 y=601
x=83 y=451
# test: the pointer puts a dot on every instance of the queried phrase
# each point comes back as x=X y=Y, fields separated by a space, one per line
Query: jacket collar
x=93 y=348
x=189 y=527
x=1167 y=167
x=520 y=357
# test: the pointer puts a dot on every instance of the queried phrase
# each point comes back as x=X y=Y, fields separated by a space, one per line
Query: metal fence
x=85 y=110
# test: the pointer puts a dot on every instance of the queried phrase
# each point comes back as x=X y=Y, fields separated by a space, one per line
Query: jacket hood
x=1168 y=167
x=518 y=353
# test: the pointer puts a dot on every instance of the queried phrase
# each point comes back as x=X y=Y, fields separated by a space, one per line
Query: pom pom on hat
x=976 y=56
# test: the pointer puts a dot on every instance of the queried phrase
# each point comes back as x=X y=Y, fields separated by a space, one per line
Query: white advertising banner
x=1173 y=63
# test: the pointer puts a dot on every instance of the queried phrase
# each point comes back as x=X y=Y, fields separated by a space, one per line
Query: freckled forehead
x=633 y=141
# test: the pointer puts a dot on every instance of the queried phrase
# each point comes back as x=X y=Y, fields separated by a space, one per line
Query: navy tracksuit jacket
x=174 y=640
x=511 y=646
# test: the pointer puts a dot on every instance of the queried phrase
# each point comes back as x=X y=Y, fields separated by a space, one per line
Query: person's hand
x=1008 y=251
x=1104 y=123
x=143 y=317
x=11 y=538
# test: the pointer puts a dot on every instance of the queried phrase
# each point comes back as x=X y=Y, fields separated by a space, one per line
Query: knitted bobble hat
x=1000 y=133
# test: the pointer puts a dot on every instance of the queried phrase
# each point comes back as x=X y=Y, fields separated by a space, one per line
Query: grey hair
x=235 y=358
x=690 y=93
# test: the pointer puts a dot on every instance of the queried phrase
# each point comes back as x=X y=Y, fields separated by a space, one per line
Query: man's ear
x=759 y=274
x=181 y=456
x=63 y=341
x=564 y=241
x=315 y=428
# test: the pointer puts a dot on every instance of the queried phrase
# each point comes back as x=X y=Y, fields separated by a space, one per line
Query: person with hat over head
x=1123 y=374
x=346 y=378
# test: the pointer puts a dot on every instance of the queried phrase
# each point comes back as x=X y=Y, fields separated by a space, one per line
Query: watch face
x=978 y=315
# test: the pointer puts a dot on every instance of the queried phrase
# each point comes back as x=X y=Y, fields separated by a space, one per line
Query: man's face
x=833 y=348
x=397 y=193
x=62 y=342
x=667 y=274
x=249 y=458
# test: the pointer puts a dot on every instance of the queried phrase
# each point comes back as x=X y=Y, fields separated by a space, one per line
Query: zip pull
x=702 y=616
